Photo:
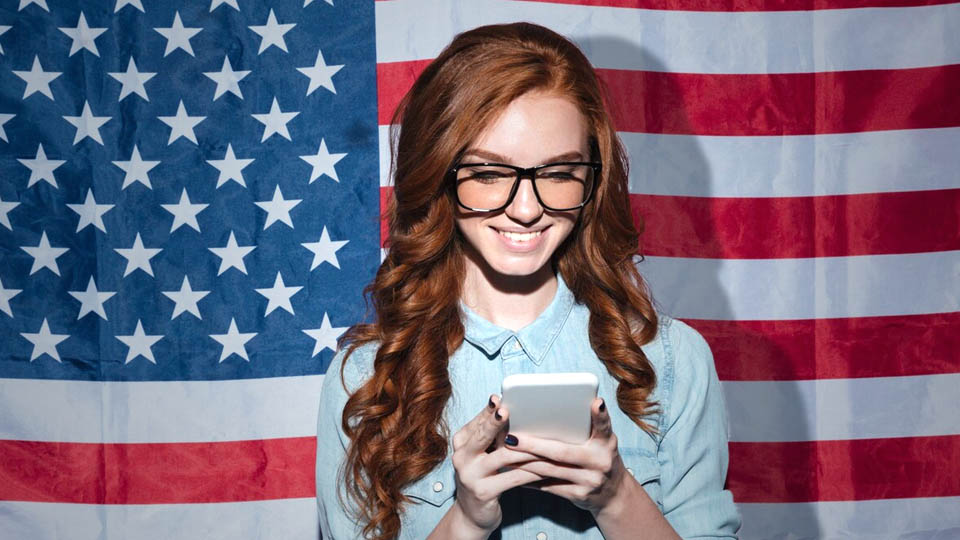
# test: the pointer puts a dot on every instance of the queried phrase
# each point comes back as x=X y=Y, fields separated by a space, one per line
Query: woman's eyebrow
x=492 y=156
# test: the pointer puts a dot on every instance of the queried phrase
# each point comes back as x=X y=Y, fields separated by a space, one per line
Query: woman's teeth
x=520 y=237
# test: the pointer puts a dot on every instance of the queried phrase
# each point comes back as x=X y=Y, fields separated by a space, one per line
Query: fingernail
x=603 y=405
x=490 y=403
x=497 y=415
x=510 y=440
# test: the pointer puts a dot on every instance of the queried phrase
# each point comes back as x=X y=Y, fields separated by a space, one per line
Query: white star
x=122 y=3
x=325 y=337
x=90 y=212
x=186 y=299
x=278 y=208
x=91 y=300
x=320 y=74
x=178 y=36
x=325 y=250
x=136 y=169
x=44 y=342
x=231 y=256
x=41 y=168
x=140 y=344
x=279 y=295
x=5 y=208
x=323 y=163
x=37 y=79
x=275 y=121
x=230 y=167
x=138 y=257
x=132 y=81
x=4 y=118
x=233 y=342
x=272 y=33
x=41 y=3
x=44 y=255
x=214 y=4
x=5 y=296
x=83 y=36
x=184 y=213
x=182 y=125
x=3 y=30
x=87 y=124
x=227 y=79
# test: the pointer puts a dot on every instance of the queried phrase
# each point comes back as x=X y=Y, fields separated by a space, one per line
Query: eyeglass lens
x=484 y=187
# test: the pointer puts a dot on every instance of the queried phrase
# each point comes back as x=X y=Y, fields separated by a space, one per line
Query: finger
x=570 y=454
x=508 y=479
x=488 y=428
x=503 y=457
x=466 y=432
x=572 y=475
x=600 y=420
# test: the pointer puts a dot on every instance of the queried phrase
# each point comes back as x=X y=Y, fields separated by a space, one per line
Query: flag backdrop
x=190 y=198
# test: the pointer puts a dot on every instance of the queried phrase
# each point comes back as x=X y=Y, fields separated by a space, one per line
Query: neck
x=511 y=302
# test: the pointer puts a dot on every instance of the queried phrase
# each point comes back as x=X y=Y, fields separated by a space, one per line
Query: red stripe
x=157 y=473
x=902 y=345
x=846 y=470
x=747 y=5
x=754 y=104
x=791 y=227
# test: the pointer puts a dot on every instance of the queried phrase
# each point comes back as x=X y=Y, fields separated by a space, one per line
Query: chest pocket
x=642 y=464
x=436 y=487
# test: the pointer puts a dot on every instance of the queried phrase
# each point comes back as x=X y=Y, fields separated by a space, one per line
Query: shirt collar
x=535 y=339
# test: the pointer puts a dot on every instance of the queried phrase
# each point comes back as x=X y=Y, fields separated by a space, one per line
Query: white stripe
x=833 y=409
x=692 y=41
x=131 y=412
x=790 y=166
x=290 y=519
x=917 y=519
x=812 y=288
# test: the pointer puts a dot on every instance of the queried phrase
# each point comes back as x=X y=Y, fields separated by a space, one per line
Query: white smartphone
x=550 y=405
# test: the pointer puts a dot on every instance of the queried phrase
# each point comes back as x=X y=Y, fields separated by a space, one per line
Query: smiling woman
x=511 y=251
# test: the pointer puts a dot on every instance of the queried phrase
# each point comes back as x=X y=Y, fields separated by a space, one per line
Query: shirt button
x=541 y=535
x=438 y=486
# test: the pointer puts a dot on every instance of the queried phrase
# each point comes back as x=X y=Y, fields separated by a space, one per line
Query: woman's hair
x=395 y=419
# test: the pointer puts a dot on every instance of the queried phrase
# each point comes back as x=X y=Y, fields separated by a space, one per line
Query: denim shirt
x=682 y=468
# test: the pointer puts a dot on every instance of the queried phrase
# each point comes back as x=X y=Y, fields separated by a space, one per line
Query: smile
x=520 y=237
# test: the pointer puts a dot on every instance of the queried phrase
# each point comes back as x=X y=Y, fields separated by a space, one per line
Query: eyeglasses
x=490 y=187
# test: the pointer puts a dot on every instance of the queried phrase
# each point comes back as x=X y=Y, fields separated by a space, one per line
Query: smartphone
x=550 y=405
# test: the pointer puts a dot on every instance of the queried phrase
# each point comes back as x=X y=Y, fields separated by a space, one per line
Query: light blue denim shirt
x=682 y=468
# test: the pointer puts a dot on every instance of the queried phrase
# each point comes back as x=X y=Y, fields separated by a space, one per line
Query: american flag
x=189 y=213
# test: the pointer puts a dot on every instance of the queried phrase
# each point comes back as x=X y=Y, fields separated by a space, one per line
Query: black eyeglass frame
x=530 y=172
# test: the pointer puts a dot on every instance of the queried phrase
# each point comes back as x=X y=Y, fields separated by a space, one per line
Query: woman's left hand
x=589 y=474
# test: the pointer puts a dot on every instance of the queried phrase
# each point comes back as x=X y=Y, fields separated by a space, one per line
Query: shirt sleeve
x=693 y=449
x=336 y=521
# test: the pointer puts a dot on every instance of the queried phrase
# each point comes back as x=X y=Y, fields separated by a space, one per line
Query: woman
x=511 y=245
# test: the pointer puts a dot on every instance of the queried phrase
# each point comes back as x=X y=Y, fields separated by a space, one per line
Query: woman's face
x=535 y=129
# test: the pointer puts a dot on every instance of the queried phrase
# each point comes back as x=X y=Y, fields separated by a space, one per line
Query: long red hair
x=395 y=419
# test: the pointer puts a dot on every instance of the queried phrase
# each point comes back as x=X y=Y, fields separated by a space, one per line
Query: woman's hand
x=479 y=484
x=591 y=475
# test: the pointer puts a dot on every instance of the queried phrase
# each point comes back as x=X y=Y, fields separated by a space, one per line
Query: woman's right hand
x=479 y=484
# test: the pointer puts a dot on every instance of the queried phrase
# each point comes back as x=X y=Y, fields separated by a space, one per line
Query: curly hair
x=395 y=419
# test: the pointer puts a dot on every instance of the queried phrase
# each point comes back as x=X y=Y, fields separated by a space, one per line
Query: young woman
x=511 y=251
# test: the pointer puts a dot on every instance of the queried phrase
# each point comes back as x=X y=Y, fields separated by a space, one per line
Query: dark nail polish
x=510 y=440
x=603 y=405
x=490 y=403
x=497 y=415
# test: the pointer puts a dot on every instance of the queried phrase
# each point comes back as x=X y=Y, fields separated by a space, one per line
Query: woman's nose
x=525 y=207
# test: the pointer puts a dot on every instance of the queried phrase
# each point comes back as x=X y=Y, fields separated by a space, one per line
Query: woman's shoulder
x=355 y=364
